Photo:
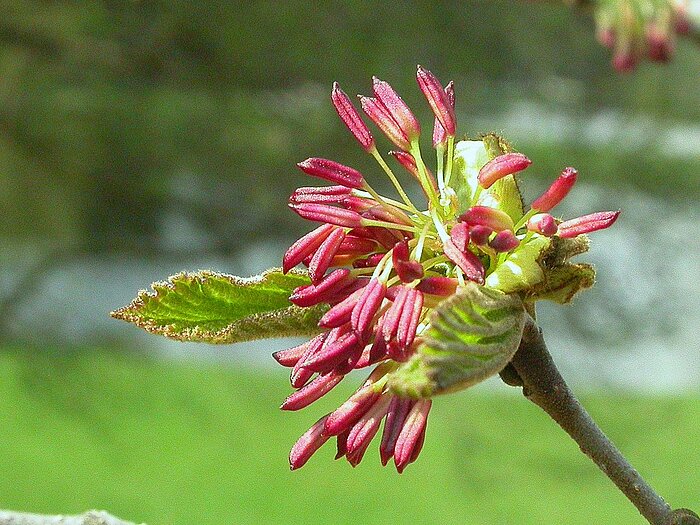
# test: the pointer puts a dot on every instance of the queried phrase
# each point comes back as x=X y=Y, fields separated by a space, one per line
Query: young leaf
x=217 y=308
x=472 y=336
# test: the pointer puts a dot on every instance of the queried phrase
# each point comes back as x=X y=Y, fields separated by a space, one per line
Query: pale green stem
x=440 y=153
x=450 y=158
x=423 y=174
x=393 y=179
x=388 y=225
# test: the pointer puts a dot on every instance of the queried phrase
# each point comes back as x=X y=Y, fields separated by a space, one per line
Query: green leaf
x=522 y=269
x=472 y=336
x=217 y=308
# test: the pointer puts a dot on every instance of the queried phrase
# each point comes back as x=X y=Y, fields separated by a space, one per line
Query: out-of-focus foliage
x=117 y=118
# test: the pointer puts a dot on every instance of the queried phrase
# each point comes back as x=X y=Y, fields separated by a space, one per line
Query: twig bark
x=92 y=517
x=534 y=370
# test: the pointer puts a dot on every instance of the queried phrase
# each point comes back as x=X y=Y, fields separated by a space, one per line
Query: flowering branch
x=92 y=517
x=533 y=369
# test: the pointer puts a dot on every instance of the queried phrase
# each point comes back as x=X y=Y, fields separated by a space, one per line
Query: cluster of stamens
x=383 y=264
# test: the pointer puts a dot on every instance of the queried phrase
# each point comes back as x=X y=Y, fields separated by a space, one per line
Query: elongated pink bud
x=559 y=189
x=356 y=246
x=298 y=251
x=312 y=294
x=502 y=166
x=504 y=241
x=469 y=263
x=442 y=286
x=320 y=195
x=307 y=444
x=332 y=171
x=366 y=428
x=381 y=117
x=358 y=204
x=409 y=319
x=480 y=235
x=395 y=418
x=366 y=307
x=439 y=133
x=329 y=214
x=351 y=118
x=341 y=312
x=542 y=223
x=410 y=435
x=587 y=224
x=350 y=411
x=390 y=320
x=388 y=214
x=624 y=60
x=323 y=257
x=333 y=353
x=299 y=375
x=659 y=44
x=291 y=356
x=437 y=99
x=311 y=392
x=492 y=218
x=397 y=108
x=406 y=269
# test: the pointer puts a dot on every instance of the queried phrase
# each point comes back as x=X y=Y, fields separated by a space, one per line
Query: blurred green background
x=138 y=139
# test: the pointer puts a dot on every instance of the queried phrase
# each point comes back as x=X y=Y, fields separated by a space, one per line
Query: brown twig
x=534 y=370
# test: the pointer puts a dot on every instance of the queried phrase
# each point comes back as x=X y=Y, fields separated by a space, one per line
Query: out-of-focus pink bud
x=559 y=189
x=681 y=22
x=437 y=99
x=395 y=418
x=469 y=263
x=323 y=257
x=329 y=214
x=606 y=37
x=381 y=117
x=366 y=307
x=333 y=172
x=542 y=223
x=439 y=133
x=351 y=118
x=443 y=286
x=502 y=166
x=492 y=218
x=313 y=391
x=290 y=356
x=406 y=269
x=366 y=428
x=298 y=251
x=410 y=435
x=659 y=44
x=312 y=294
x=307 y=444
x=624 y=61
x=480 y=234
x=587 y=224
x=397 y=108
x=504 y=241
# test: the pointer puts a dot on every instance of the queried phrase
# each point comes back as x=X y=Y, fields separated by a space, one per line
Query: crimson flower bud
x=480 y=235
x=317 y=293
x=313 y=391
x=332 y=171
x=412 y=434
x=397 y=108
x=395 y=418
x=504 y=241
x=329 y=214
x=320 y=195
x=381 y=117
x=439 y=133
x=351 y=118
x=437 y=99
x=362 y=432
x=443 y=286
x=291 y=356
x=406 y=269
x=502 y=166
x=298 y=251
x=587 y=224
x=542 y=223
x=367 y=306
x=559 y=189
x=307 y=444
x=323 y=257
x=469 y=263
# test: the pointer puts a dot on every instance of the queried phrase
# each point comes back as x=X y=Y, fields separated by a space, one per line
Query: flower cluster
x=382 y=264
x=638 y=29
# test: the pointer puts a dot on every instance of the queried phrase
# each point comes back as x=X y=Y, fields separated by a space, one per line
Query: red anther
x=443 y=286
x=395 y=418
x=313 y=391
x=299 y=375
x=397 y=108
x=351 y=118
x=357 y=246
x=410 y=436
x=492 y=218
x=332 y=171
x=379 y=114
x=388 y=214
x=329 y=214
x=307 y=444
x=305 y=246
x=323 y=257
x=502 y=166
x=504 y=241
x=323 y=194
x=480 y=235
x=587 y=224
x=469 y=263
x=407 y=161
x=366 y=307
x=559 y=189
x=312 y=294
x=362 y=432
x=333 y=353
x=542 y=223
x=437 y=99
x=341 y=312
